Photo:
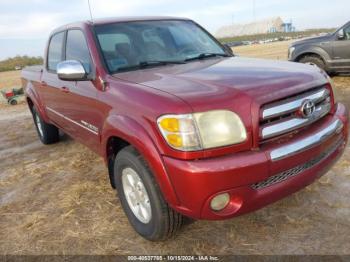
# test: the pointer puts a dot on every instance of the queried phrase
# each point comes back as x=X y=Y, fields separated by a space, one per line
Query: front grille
x=296 y=170
x=284 y=116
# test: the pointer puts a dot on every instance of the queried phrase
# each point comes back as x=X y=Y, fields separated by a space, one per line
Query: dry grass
x=57 y=200
x=277 y=50
x=10 y=79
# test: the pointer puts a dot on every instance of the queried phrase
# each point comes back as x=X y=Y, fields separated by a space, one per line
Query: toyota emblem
x=307 y=108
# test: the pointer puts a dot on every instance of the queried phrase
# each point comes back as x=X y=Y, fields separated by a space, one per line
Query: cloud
x=125 y=8
x=34 y=19
x=35 y=25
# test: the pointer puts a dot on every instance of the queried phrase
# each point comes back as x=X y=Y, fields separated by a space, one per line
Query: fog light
x=220 y=202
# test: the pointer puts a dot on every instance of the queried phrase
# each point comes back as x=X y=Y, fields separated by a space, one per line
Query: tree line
x=18 y=62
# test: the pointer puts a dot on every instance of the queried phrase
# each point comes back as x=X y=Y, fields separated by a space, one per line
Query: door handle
x=65 y=89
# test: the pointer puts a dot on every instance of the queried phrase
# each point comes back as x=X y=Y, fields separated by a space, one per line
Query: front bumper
x=256 y=179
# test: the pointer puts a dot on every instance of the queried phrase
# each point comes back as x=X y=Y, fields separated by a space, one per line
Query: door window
x=55 y=51
x=77 y=49
x=347 y=33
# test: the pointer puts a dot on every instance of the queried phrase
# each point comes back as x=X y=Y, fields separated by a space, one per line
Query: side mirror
x=341 y=34
x=71 y=70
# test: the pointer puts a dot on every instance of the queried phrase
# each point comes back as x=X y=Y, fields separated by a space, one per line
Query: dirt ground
x=57 y=200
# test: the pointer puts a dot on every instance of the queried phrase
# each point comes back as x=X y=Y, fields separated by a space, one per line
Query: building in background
x=288 y=27
x=270 y=25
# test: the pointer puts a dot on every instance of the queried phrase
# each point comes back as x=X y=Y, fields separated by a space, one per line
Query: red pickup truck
x=187 y=129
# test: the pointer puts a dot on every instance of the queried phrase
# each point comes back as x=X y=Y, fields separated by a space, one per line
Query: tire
x=332 y=74
x=48 y=134
x=162 y=221
x=313 y=60
x=13 y=102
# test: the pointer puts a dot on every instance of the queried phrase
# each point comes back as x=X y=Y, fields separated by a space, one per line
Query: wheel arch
x=33 y=101
x=120 y=131
x=314 y=51
x=30 y=103
x=113 y=146
x=300 y=56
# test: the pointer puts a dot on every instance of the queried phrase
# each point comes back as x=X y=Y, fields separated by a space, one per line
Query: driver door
x=82 y=107
x=341 y=51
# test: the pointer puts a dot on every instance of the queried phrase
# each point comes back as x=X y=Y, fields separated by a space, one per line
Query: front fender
x=299 y=52
x=131 y=131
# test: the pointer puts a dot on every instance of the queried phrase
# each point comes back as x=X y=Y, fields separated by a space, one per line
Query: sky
x=26 y=24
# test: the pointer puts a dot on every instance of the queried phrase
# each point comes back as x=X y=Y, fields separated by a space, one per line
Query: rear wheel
x=313 y=60
x=141 y=199
x=47 y=133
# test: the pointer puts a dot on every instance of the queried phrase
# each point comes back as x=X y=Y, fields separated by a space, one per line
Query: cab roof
x=102 y=21
x=133 y=18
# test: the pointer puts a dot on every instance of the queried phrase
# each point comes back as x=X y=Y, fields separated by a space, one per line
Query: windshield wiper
x=161 y=62
x=144 y=64
x=205 y=55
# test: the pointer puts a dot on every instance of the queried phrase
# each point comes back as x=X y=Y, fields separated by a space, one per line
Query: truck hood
x=313 y=40
x=214 y=82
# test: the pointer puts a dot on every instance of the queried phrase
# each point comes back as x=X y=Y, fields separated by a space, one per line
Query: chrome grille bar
x=289 y=105
x=290 y=124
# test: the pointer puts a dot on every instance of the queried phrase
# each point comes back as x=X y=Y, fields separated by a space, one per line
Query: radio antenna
x=92 y=20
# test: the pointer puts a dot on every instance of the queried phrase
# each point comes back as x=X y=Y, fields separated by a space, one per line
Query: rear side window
x=77 y=49
x=55 y=51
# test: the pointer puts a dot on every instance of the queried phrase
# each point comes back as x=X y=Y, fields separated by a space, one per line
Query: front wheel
x=141 y=199
x=313 y=60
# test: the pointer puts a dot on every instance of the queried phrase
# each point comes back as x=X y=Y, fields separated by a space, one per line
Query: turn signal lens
x=170 y=124
x=175 y=140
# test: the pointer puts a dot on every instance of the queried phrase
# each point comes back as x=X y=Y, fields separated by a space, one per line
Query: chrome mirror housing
x=71 y=70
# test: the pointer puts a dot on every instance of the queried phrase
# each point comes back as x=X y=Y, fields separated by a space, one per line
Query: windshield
x=131 y=45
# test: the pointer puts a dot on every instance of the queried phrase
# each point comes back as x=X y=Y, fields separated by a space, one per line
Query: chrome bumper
x=306 y=143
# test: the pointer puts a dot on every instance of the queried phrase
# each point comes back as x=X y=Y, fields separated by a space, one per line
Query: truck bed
x=31 y=73
x=36 y=68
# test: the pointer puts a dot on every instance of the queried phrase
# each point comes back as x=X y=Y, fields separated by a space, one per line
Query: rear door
x=52 y=88
x=341 y=51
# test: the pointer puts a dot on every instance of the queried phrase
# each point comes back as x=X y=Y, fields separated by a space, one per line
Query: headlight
x=197 y=131
x=290 y=52
x=334 y=90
